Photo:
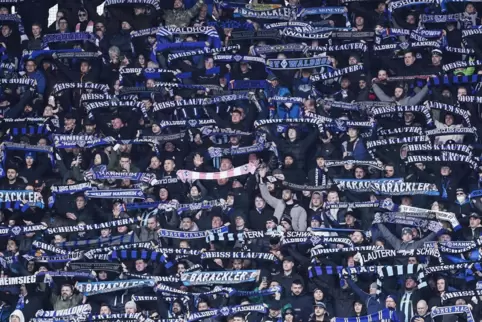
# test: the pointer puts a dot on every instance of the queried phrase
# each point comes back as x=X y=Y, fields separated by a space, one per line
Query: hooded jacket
x=182 y=17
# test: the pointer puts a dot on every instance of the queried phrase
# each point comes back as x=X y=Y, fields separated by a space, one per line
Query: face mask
x=460 y=199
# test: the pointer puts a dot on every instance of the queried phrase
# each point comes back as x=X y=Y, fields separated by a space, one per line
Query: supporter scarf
x=67 y=36
x=239 y=59
x=471 y=32
x=93 y=288
x=192 y=123
x=165 y=137
x=413 y=130
x=88 y=97
x=454 y=309
x=165 y=233
x=402 y=109
x=97 y=242
x=336 y=73
x=391 y=253
x=62 y=141
x=78 y=55
x=462 y=51
x=15 y=198
x=461 y=64
x=440 y=215
x=289 y=24
x=454 y=17
x=326 y=11
x=132 y=105
x=462 y=148
x=146 y=245
x=143 y=254
x=157 y=279
x=153 y=3
x=383 y=315
x=30 y=130
x=186 y=175
x=390 y=187
x=147 y=72
x=469 y=99
x=133 y=176
x=32 y=279
x=68 y=189
x=405 y=3
x=316 y=122
x=227 y=311
x=339 y=48
x=373 y=144
x=110 y=267
x=259 y=34
x=277 y=14
x=48 y=247
x=453 y=131
x=165 y=289
x=453 y=295
x=18 y=20
x=27 y=147
x=76 y=311
x=234 y=24
x=324 y=251
x=302 y=35
x=119 y=317
x=89 y=227
x=451 y=109
x=444 y=157
x=406 y=219
x=60 y=87
x=315 y=237
x=209 y=51
x=455 y=247
x=239 y=255
x=115 y=194
x=217 y=278
x=63 y=274
x=446 y=80
x=340 y=163
x=19 y=81
x=207 y=204
x=386 y=204
x=267 y=49
x=215 y=152
x=54 y=259
x=298 y=63
x=304 y=187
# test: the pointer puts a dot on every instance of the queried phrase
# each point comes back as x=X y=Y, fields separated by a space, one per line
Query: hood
x=19 y=314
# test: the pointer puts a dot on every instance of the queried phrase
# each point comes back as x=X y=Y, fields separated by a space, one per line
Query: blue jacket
x=40 y=78
x=372 y=302
x=359 y=150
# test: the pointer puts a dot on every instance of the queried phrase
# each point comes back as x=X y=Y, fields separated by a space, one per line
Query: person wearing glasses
x=84 y=23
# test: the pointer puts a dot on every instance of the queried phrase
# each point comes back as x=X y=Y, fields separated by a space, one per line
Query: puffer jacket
x=182 y=17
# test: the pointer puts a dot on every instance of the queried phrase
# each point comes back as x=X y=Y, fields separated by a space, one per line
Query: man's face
x=449 y=119
x=389 y=171
x=63 y=25
x=80 y=202
x=116 y=123
x=168 y=165
x=235 y=117
x=286 y=195
x=296 y=289
x=82 y=16
x=186 y=223
x=84 y=67
x=203 y=306
x=104 y=310
x=436 y=59
x=30 y=66
x=125 y=163
x=422 y=308
x=11 y=174
x=288 y=161
x=65 y=292
x=408 y=117
x=359 y=173
x=216 y=222
x=410 y=284
x=445 y=171
x=176 y=307
x=382 y=75
x=237 y=264
x=140 y=265
x=5 y=31
x=288 y=266
x=29 y=161
x=319 y=311
x=390 y=303
x=408 y=59
x=151 y=223
x=36 y=30
x=177 y=4
x=441 y=285
x=155 y=163
x=163 y=194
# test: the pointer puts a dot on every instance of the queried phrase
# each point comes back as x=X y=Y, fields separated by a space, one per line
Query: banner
x=220 y=278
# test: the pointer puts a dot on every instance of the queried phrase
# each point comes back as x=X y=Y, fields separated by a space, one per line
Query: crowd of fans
x=242 y=161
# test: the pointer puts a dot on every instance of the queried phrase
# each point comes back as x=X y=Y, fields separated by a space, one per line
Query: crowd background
x=233 y=161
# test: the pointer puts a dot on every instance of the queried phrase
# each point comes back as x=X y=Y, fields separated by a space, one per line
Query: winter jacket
x=182 y=17
x=407 y=100
x=372 y=302
x=297 y=213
